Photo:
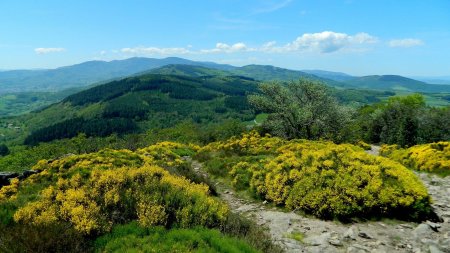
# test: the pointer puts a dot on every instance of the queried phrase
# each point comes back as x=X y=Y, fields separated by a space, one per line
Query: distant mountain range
x=85 y=73
x=88 y=73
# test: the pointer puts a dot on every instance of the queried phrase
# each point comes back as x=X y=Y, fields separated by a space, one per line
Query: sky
x=358 y=37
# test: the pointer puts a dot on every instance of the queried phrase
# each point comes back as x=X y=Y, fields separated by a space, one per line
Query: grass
x=134 y=238
x=296 y=235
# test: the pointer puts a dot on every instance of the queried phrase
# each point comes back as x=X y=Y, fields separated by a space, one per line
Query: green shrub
x=133 y=238
x=54 y=237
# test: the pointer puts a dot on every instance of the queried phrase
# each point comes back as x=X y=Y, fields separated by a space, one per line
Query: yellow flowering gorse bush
x=95 y=191
x=325 y=179
x=432 y=157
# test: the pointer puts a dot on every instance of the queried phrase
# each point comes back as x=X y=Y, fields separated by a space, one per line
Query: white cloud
x=405 y=43
x=155 y=50
x=46 y=50
x=328 y=42
x=323 y=42
x=225 y=48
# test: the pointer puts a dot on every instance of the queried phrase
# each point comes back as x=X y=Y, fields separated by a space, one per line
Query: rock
x=423 y=230
x=335 y=241
x=265 y=202
x=357 y=248
x=433 y=226
x=318 y=240
x=364 y=235
x=434 y=249
x=27 y=173
x=350 y=234
x=377 y=251
x=406 y=226
x=6 y=176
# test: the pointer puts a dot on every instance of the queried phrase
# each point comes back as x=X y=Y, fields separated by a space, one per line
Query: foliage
x=321 y=178
x=434 y=125
x=4 y=150
x=135 y=238
x=363 y=145
x=431 y=157
x=94 y=191
x=404 y=121
x=302 y=109
x=42 y=238
x=72 y=127
x=18 y=103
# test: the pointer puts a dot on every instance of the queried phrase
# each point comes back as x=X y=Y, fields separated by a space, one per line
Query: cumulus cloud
x=405 y=43
x=323 y=42
x=327 y=42
x=46 y=50
x=226 y=48
x=155 y=50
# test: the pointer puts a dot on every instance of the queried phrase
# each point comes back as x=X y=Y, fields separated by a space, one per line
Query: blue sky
x=358 y=37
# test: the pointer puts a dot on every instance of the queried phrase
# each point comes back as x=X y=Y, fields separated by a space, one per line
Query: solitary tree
x=301 y=109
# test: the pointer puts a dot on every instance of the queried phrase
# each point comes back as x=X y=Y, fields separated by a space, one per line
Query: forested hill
x=395 y=83
x=257 y=72
x=140 y=103
x=86 y=73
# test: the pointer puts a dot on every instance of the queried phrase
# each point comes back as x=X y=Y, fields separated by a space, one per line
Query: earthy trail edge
x=314 y=235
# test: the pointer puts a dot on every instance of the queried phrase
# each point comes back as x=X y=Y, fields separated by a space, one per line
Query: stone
x=406 y=226
x=27 y=173
x=350 y=234
x=423 y=230
x=434 y=226
x=434 y=249
x=361 y=247
x=318 y=240
x=6 y=176
x=364 y=235
x=265 y=202
x=335 y=241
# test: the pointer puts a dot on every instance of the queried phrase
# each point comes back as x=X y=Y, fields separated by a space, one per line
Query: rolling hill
x=336 y=76
x=395 y=83
x=140 y=103
x=85 y=73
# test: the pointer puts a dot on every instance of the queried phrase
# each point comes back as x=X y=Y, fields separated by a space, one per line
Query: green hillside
x=395 y=83
x=140 y=103
x=86 y=73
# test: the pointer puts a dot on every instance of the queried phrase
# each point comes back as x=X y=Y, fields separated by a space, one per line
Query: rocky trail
x=298 y=233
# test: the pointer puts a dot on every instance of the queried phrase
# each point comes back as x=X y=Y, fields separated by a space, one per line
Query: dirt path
x=375 y=150
x=314 y=235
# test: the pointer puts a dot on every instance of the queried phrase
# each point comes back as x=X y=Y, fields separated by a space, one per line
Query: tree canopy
x=301 y=109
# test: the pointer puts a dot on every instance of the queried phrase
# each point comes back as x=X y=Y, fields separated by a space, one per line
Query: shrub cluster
x=432 y=157
x=92 y=192
x=322 y=178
